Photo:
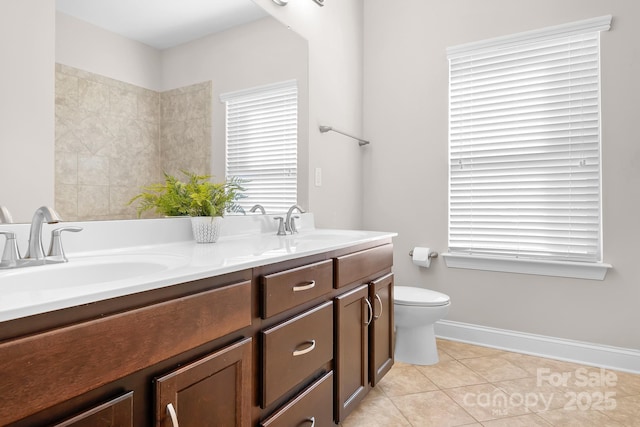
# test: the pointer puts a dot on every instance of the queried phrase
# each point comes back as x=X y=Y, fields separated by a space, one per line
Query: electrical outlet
x=318 y=177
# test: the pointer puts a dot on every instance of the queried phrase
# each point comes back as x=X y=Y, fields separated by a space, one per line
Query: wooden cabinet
x=115 y=413
x=381 y=328
x=73 y=367
x=353 y=314
x=212 y=391
x=296 y=343
x=364 y=325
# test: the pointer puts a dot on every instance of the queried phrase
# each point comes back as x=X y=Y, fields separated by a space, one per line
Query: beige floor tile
x=627 y=384
x=537 y=396
x=451 y=374
x=375 y=392
x=486 y=402
x=443 y=356
x=408 y=395
x=577 y=418
x=529 y=420
x=494 y=368
x=375 y=412
x=432 y=408
x=459 y=350
x=405 y=380
x=627 y=411
x=538 y=365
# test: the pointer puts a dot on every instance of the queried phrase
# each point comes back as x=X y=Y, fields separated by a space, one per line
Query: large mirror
x=137 y=93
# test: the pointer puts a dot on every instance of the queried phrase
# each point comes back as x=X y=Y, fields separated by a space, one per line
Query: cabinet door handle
x=172 y=414
x=312 y=345
x=309 y=285
x=379 y=302
x=312 y=420
x=370 y=309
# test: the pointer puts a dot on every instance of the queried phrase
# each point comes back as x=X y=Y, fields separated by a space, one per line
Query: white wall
x=27 y=31
x=87 y=47
x=334 y=33
x=405 y=173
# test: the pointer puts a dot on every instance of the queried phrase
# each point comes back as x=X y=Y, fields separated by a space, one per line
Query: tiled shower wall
x=112 y=138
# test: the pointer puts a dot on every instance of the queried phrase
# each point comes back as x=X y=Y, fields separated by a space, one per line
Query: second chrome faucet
x=288 y=224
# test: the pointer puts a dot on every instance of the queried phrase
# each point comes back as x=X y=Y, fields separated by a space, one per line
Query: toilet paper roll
x=421 y=257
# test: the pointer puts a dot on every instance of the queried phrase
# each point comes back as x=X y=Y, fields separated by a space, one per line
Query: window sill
x=578 y=270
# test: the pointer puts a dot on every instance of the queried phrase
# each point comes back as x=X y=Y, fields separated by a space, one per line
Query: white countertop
x=150 y=254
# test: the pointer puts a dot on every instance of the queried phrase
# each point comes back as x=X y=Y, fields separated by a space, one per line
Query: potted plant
x=204 y=201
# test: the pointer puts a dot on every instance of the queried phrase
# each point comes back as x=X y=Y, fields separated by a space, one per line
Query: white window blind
x=524 y=145
x=262 y=144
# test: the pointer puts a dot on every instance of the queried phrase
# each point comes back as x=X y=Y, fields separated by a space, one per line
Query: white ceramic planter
x=206 y=229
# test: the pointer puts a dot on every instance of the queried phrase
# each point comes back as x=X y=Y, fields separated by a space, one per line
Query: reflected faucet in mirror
x=258 y=207
x=5 y=216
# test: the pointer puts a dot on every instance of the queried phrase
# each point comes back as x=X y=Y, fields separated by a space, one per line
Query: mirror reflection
x=128 y=110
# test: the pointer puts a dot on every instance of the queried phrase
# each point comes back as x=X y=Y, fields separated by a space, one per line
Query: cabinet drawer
x=314 y=405
x=356 y=266
x=287 y=289
x=294 y=349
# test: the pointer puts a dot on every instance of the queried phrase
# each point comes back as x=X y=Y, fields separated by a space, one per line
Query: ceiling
x=163 y=23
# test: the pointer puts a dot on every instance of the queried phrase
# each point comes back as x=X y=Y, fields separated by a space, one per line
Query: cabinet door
x=212 y=391
x=353 y=314
x=115 y=413
x=381 y=328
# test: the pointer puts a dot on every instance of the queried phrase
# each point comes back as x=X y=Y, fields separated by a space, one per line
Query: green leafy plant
x=197 y=196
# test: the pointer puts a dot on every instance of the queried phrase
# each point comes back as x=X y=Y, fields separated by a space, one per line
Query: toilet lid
x=409 y=295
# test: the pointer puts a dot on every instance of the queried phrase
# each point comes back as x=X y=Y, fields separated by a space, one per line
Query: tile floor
x=478 y=386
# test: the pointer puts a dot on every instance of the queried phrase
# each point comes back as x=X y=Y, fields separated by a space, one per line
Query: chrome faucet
x=5 y=216
x=290 y=223
x=42 y=214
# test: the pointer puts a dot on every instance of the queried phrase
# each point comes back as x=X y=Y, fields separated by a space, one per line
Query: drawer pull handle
x=379 y=302
x=309 y=285
x=312 y=345
x=172 y=414
x=312 y=420
x=370 y=309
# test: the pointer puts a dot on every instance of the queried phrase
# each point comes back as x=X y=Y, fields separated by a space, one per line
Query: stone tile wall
x=112 y=138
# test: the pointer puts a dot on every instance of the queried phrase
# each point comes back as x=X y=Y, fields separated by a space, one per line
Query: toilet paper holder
x=432 y=254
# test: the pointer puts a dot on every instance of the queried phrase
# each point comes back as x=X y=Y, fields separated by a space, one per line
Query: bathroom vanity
x=253 y=330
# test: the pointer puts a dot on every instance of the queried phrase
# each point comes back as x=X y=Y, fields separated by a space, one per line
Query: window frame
x=512 y=262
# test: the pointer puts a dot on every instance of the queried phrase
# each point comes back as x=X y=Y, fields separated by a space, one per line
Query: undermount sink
x=87 y=271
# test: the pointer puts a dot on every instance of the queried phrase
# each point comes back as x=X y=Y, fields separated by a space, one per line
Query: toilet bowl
x=415 y=311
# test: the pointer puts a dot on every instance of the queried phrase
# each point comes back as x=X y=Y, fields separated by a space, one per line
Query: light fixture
x=285 y=2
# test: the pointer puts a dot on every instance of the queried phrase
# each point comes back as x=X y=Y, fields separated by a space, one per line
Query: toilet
x=416 y=310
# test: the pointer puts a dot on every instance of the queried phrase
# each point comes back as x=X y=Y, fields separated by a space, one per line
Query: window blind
x=262 y=144
x=524 y=147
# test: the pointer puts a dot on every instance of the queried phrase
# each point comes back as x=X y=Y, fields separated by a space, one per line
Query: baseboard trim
x=621 y=359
